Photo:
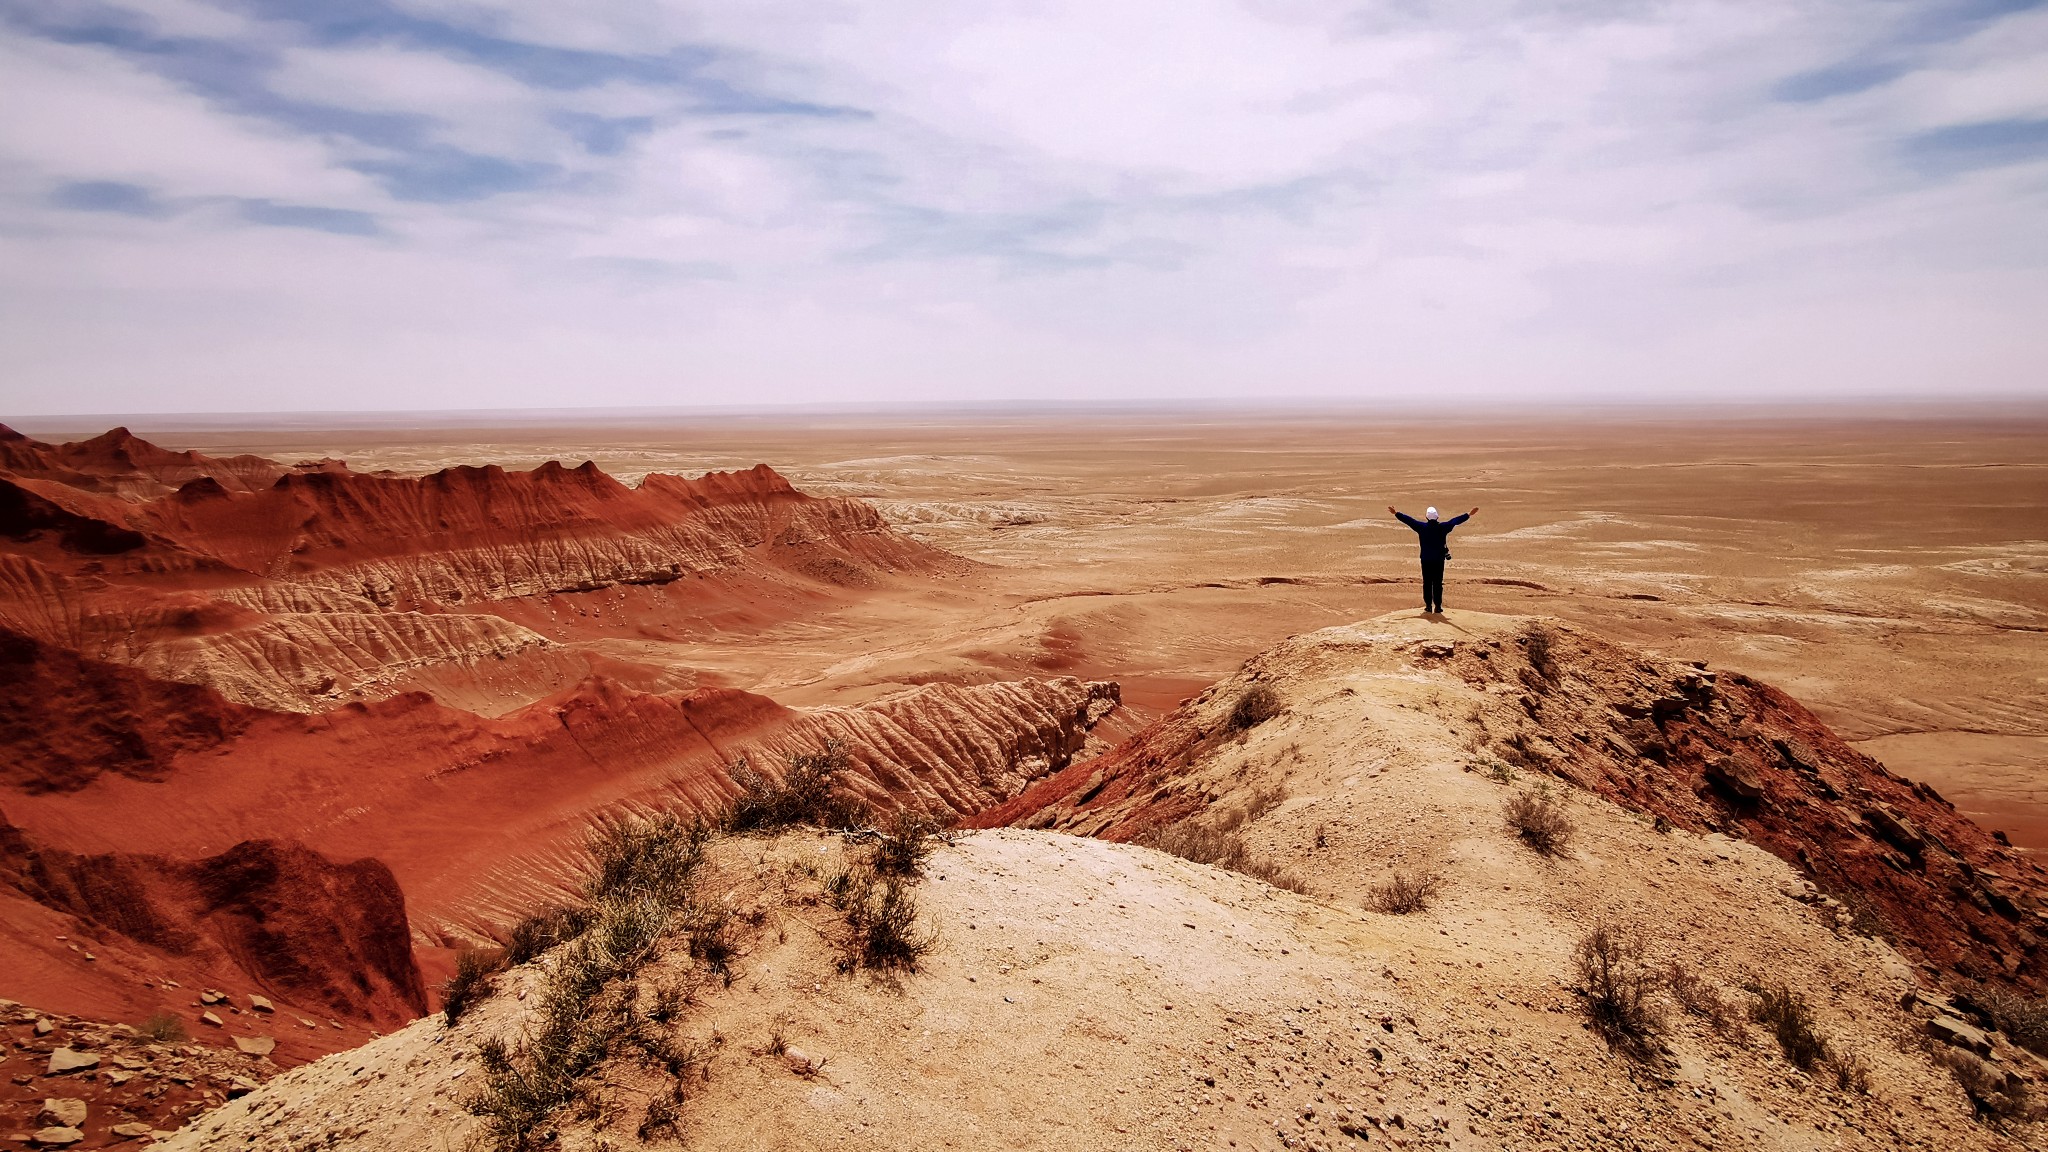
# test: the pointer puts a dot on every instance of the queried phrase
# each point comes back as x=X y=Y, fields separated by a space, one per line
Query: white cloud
x=1037 y=198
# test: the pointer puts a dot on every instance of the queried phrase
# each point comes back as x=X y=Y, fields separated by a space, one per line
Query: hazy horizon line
x=1889 y=407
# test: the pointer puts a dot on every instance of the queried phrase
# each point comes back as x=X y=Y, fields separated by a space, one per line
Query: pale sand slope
x=1093 y=995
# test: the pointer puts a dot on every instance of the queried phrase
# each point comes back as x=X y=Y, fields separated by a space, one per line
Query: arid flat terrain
x=1891 y=571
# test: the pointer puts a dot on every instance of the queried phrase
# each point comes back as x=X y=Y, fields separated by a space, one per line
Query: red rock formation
x=302 y=587
x=70 y=718
x=322 y=936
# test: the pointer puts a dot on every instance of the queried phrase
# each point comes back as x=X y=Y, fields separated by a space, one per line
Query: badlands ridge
x=309 y=734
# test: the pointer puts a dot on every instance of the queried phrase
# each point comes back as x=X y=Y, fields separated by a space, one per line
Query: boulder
x=67 y=1112
x=64 y=1060
x=56 y=1137
x=1950 y=1030
x=1734 y=777
x=260 y=1004
x=43 y=1026
x=256 y=1045
x=133 y=1130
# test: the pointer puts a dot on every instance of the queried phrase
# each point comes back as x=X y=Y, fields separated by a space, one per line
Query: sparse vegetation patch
x=807 y=794
x=471 y=982
x=1193 y=840
x=639 y=885
x=1620 y=986
x=1539 y=819
x=1258 y=705
x=1785 y=1013
x=1406 y=892
x=163 y=1028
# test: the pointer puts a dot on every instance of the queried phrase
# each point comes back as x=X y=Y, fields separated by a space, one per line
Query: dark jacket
x=1434 y=533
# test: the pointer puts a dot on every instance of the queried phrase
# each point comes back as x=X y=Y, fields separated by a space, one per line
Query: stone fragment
x=117 y=1077
x=256 y=1045
x=65 y=1060
x=210 y=1018
x=43 y=1026
x=210 y=996
x=56 y=1137
x=801 y=1062
x=133 y=1130
x=241 y=1086
x=1950 y=1030
x=63 y=1112
x=1894 y=829
x=260 y=1004
x=1734 y=777
x=307 y=1023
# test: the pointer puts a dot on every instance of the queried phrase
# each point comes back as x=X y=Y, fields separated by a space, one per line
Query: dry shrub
x=1539 y=819
x=1258 y=705
x=471 y=982
x=901 y=851
x=1702 y=998
x=807 y=794
x=881 y=921
x=1520 y=752
x=1790 y=1020
x=1538 y=647
x=1999 y=1097
x=1620 y=987
x=543 y=930
x=641 y=879
x=163 y=1028
x=1196 y=841
x=664 y=1116
x=1407 y=892
x=709 y=928
x=2023 y=1019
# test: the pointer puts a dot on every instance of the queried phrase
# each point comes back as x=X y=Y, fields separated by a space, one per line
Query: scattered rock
x=56 y=1137
x=256 y=1045
x=801 y=1062
x=1950 y=1030
x=212 y=997
x=1894 y=829
x=65 y=1060
x=210 y=1018
x=132 y=1130
x=241 y=1086
x=66 y=1112
x=260 y=1004
x=43 y=1026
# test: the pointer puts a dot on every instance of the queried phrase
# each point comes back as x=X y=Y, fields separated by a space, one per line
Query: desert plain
x=1889 y=569
x=450 y=657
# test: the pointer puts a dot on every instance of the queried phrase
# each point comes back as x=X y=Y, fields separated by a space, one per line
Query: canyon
x=315 y=730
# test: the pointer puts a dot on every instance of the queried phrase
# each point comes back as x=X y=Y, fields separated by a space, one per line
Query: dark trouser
x=1433 y=583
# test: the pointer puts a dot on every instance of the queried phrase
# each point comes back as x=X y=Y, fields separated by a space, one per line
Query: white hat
x=1432 y=513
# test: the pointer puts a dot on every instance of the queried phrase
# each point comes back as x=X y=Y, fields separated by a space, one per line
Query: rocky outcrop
x=69 y=718
x=298 y=587
x=323 y=935
x=1683 y=745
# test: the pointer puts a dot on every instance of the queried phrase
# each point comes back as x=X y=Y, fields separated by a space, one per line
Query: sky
x=333 y=205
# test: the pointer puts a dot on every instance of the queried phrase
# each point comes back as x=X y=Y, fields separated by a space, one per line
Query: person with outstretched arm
x=1435 y=535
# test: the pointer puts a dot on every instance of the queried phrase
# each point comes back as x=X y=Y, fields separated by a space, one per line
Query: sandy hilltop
x=1023 y=797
